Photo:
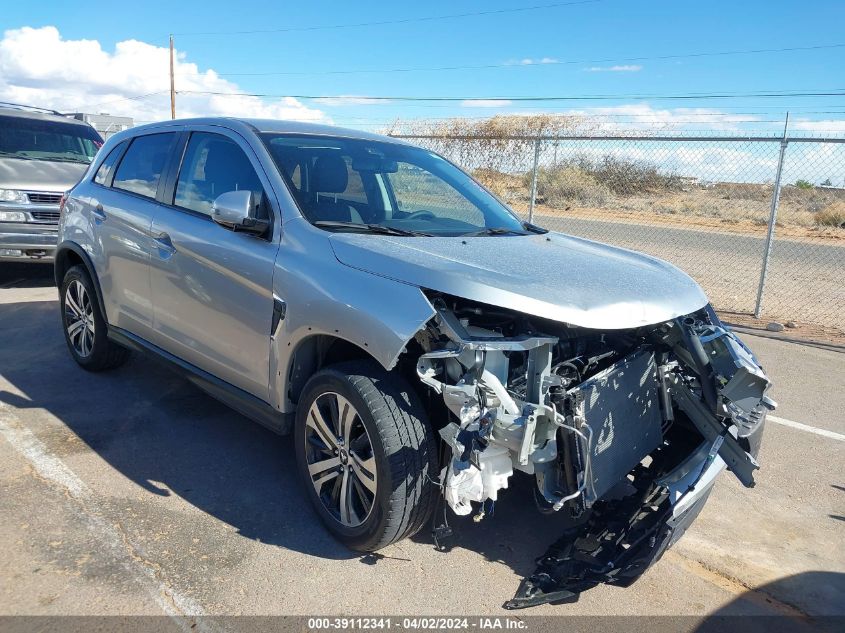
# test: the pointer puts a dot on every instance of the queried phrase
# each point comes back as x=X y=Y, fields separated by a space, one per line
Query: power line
x=428 y=18
x=545 y=62
x=363 y=99
x=686 y=117
x=130 y=98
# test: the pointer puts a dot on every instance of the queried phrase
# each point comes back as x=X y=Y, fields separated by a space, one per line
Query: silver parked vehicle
x=42 y=155
x=422 y=342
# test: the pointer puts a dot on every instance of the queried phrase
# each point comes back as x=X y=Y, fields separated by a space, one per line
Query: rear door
x=212 y=288
x=122 y=205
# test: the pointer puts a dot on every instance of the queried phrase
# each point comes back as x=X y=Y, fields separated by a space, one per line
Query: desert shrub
x=743 y=191
x=813 y=196
x=559 y=186
x=503 y=143
x=626 y=177
x=803 y=184
x=832 y=215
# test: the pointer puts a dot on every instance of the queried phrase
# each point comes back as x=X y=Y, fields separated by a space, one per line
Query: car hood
x=39 y=175
x=552 y=276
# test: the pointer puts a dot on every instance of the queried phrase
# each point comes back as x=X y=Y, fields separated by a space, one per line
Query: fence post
x=773 y=214
x=534 y=180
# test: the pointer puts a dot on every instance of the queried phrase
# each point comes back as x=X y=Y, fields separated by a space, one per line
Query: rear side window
x=213 y=165
x=143 y=164
x=107 y=166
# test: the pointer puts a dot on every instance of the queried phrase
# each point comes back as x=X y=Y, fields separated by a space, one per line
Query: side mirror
x=235 y=210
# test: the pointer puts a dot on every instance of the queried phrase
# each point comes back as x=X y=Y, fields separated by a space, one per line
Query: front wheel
x=84 y=325
x=366 y=454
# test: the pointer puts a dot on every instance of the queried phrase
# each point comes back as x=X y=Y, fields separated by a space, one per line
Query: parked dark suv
x=424 y=343
x=42 y=155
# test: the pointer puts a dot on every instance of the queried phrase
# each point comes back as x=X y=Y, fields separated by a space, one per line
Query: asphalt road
x=804 y=279
x=132 y=492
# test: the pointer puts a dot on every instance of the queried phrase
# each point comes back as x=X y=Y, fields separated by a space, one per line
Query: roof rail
x=21 y=106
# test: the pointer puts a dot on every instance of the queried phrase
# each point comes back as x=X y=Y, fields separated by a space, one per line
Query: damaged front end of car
x=623 y=430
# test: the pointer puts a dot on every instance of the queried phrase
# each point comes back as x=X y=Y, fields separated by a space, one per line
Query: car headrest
x=330 y=175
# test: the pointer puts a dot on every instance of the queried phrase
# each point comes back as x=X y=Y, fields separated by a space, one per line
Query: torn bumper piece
x=623 y=537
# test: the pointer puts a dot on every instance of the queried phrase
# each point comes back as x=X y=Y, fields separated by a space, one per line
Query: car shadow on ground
x=829 y=586
x=14 y=275
x=169 y=437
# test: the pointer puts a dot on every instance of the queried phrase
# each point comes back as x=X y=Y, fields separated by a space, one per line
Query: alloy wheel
x=340 y=459
x=79 y=318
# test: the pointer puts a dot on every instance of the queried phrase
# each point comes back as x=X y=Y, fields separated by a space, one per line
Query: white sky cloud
x=38 y=67
x=644 y=116
x=627 y=68
x=530 y=61
x=825 y=126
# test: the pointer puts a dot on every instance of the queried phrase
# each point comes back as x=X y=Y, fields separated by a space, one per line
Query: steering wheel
x=419 y=214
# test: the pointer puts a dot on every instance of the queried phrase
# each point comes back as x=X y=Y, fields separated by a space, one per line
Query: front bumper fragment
x=623 y=537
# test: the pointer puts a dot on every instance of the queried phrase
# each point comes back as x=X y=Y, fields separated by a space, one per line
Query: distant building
x=105 y=124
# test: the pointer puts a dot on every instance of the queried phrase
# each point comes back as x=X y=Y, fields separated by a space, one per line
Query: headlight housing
x=13 y=216
x=13 y=196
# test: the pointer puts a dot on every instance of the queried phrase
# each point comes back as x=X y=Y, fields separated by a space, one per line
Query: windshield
x=37 y=139
x=361 y=185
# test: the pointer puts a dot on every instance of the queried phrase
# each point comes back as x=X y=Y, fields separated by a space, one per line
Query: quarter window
x=107 y=166
x=143 y=164
x=213 y=165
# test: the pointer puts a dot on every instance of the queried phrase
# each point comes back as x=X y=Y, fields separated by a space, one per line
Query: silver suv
x=42 y=155
x=424 y=344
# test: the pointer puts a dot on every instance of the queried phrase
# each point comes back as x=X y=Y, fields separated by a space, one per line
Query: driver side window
x=213 y=164
x=415 y=189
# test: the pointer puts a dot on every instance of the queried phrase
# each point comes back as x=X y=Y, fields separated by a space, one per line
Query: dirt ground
x=740 y=208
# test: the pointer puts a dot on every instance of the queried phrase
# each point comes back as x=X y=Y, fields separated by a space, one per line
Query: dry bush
x=628 y=177
x=592 y=182
x=500 y=127
x=560 y=186
x=832 y=215
x=503 y=144
x=743 y=191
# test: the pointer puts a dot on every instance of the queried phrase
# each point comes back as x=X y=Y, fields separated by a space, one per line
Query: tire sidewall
x=98 y=349
x=369 y=531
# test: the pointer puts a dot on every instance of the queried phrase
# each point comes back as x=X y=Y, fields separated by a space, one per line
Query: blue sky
x=610 y=29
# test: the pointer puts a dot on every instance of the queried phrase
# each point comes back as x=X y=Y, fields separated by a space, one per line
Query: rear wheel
x=84 y=325
x=366 y=454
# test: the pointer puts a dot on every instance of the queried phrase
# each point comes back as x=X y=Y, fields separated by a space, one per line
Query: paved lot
x=134 y=493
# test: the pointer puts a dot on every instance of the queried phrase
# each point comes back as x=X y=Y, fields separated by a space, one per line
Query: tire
x=399 y=444
x=89 y=343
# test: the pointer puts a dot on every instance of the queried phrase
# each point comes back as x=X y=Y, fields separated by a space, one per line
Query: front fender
x=324 y=297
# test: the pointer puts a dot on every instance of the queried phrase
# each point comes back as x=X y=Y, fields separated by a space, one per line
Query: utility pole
x=172 y=83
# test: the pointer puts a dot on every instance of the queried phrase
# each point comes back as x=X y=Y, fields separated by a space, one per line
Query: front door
x=212 y=288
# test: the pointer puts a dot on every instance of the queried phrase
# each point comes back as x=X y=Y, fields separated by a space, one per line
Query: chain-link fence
x=707 y=204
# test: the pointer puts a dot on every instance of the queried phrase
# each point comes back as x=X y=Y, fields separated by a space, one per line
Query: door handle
x=164 y=244
x=98 y=213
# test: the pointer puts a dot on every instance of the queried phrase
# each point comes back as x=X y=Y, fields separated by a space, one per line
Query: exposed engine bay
x=623 y=430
